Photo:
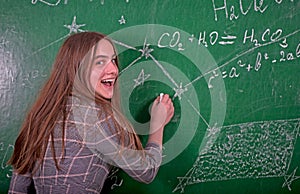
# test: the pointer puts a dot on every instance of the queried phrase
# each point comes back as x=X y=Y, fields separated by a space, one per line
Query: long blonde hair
x=38 y=126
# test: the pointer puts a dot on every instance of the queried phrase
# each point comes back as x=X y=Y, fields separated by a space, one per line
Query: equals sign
x=229 y=39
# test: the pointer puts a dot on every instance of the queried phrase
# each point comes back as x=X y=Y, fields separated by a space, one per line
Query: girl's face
x=104 y=70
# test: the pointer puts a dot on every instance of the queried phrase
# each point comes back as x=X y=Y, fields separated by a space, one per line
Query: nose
x=112 y=68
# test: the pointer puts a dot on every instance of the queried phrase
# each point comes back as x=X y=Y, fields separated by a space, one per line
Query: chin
x=105 y=93
x=106 y=96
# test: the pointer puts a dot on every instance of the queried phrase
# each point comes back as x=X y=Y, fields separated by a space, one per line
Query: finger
x=157 y=98
x=169 y=100
x=165 y=97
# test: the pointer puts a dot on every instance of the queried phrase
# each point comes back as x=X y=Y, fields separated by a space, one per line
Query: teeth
x=108 y=80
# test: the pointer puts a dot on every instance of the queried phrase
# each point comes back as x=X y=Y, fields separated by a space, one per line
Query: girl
x=75 y=133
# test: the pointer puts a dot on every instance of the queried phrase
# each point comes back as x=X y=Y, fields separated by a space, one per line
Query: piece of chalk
x=161 y=96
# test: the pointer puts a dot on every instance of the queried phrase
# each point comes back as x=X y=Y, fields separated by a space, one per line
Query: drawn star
x=141 y=78
x=179 y=91
x=122 y=20
x=288 y=179
x=75 y=27
x=184 y=181
x=212 y=131
x=146 y=50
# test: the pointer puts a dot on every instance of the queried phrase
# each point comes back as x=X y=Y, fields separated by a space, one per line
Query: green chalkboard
x=231 y=66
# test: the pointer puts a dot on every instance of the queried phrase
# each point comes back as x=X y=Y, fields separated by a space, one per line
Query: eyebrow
x=105 y=56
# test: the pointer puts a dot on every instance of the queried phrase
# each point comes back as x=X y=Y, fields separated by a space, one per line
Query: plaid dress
x=91 y=151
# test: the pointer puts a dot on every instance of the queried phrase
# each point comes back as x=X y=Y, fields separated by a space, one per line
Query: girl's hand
x=161 y=112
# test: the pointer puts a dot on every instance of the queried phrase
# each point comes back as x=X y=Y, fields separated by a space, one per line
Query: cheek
x=94 y=79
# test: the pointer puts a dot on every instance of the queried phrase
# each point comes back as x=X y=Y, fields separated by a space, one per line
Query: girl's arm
x=142 y=165
x=21 y=183
x=161 y=114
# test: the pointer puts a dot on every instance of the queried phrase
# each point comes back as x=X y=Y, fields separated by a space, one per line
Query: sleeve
x=140 y=165
x=21 y=183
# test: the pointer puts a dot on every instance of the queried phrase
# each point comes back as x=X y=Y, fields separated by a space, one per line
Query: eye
x=101 y=62
x=114 y=61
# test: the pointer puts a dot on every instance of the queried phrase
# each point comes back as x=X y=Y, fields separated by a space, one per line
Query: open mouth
x=108 y=82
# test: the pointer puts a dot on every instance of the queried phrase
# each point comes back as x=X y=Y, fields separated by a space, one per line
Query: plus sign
x=191 y=39
x=249 y=67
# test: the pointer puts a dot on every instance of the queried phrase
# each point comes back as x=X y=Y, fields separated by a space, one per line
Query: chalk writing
x=214 y=38
x=275 y=37
x=283 y=56
x=267 y=36
x=49 y=3
x=7 y=150
x=8 y=77
x=52 y=4
x=233 y=12
x=113 y=177
x=28 y=78
x=248 y=150
x=288 y=56
x=173 y=41
x=7 y=73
